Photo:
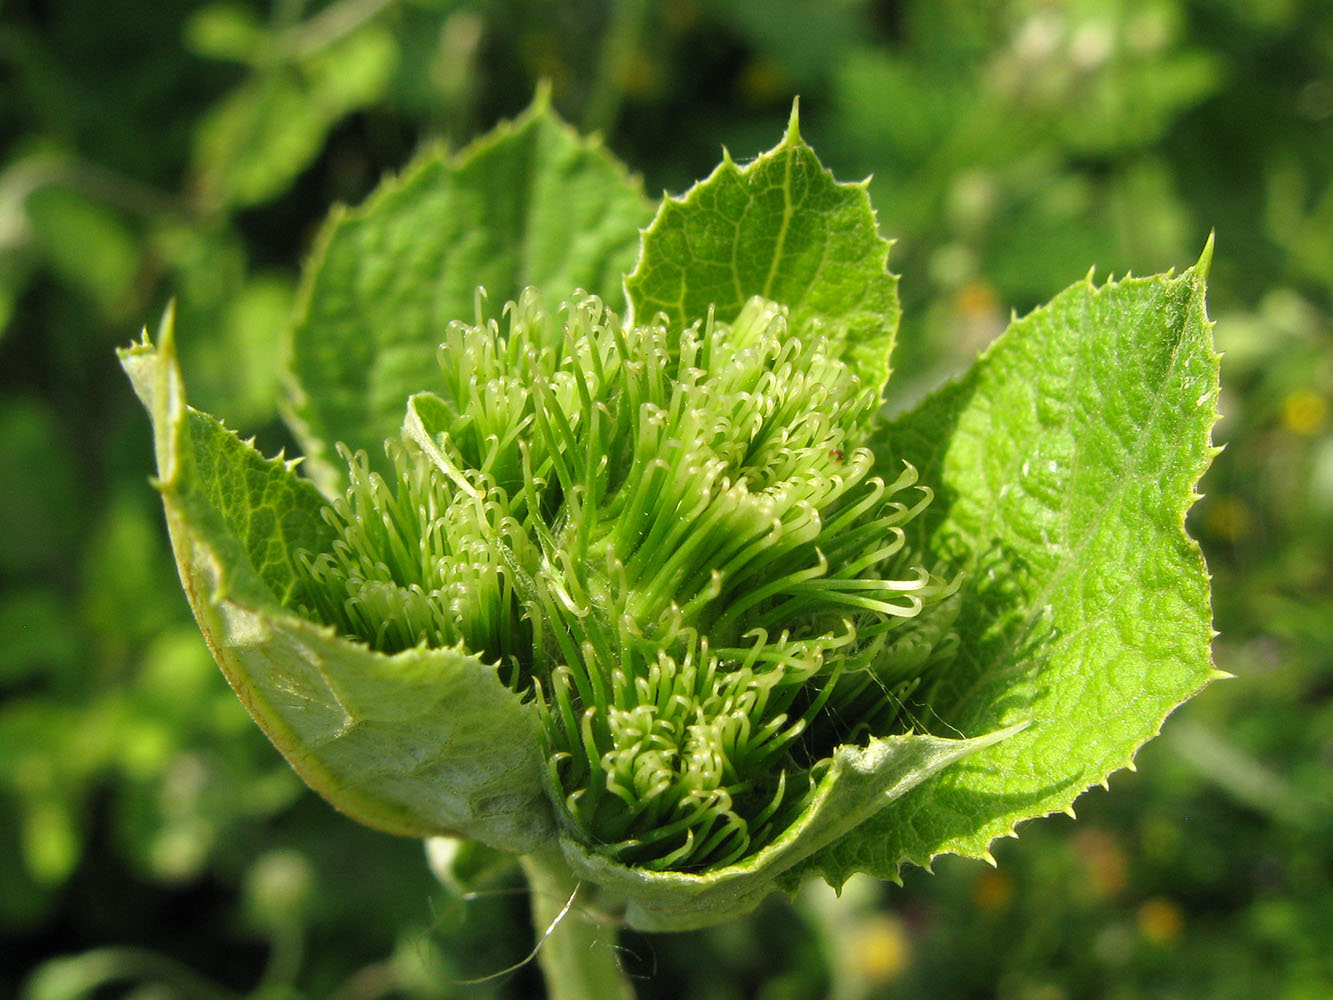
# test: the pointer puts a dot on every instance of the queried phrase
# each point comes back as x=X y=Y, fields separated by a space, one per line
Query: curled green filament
x=675 y=540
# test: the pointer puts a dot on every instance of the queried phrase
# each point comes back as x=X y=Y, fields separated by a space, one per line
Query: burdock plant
x=632 y=579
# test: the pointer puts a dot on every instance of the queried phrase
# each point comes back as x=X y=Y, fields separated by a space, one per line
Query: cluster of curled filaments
x=673 y=541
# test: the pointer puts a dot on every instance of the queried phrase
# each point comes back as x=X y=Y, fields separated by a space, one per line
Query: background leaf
x=254 y=143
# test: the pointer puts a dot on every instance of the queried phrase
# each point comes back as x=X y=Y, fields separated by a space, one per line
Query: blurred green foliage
x=152 y=845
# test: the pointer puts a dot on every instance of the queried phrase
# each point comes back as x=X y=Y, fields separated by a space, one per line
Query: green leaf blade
x=529 y=204
x=782 y=228
x=272 y=514
x=1065 y=461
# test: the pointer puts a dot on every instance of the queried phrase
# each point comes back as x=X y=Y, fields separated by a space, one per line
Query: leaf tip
x=166 y=330
x=541 y=97
x=1003 y=734
x=1205 y=262
x=792 y=136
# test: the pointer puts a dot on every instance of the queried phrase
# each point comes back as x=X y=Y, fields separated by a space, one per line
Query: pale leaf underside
x=425 y=742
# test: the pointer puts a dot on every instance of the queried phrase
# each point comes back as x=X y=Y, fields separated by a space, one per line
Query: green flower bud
x=673 y=540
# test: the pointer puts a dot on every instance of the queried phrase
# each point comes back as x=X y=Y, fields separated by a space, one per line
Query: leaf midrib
x=787 y=211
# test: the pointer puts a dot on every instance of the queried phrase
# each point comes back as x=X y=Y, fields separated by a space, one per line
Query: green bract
x=639 y=573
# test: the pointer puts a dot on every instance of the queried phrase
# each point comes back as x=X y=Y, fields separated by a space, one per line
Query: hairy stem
x=577 y=952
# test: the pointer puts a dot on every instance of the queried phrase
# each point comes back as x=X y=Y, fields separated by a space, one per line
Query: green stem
x=577 y=952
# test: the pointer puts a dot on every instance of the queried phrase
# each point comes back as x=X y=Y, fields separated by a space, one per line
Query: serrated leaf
x=782 y=228
x=1064 y=462
x=529 y=204
x=424 y=742
x=860 y=782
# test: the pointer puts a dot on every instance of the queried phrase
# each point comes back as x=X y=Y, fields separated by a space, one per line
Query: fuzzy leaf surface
x=531 y=203
x=782 y=228
x=1064 y=462
x=424 y=742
